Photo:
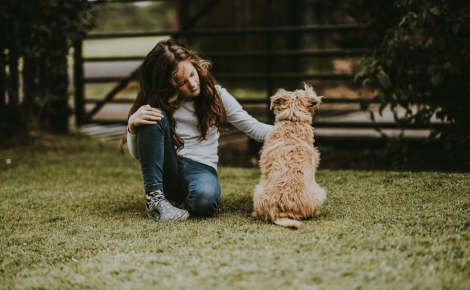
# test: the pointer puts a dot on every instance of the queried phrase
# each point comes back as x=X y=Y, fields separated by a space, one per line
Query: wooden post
x=253 y=146
x=295 y=17
x=269 y=66
x=3 y=100
x=78 y=83
x=183 y=17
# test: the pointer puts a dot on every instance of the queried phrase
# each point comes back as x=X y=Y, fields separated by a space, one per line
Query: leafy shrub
x=37 y=35
x=421 y=62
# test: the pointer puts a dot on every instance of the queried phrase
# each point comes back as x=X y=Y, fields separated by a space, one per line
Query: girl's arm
x=241 y=119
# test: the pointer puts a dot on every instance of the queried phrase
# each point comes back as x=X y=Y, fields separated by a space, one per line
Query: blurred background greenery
x=417 y=68
x=132 y=17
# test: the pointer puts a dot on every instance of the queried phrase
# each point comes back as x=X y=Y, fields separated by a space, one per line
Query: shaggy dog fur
x=287 y=191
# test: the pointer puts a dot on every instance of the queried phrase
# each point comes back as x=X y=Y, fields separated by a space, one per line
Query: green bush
x=421 y=62
x=38 y=36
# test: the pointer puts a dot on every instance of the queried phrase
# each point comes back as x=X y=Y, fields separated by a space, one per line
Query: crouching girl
x=173 y=130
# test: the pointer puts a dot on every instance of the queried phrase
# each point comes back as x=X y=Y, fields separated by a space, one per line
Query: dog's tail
x=288 y=223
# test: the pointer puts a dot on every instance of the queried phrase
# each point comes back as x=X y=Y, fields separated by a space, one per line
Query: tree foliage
x=37 y=35
x=421 y=63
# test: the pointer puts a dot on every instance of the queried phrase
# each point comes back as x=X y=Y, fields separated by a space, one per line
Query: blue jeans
x=181 y=179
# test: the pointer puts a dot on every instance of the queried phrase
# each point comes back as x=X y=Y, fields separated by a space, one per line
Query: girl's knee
x=204 y=200
x=159 y=124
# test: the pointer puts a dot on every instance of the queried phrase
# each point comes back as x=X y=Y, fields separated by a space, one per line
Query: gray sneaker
x=159 y=208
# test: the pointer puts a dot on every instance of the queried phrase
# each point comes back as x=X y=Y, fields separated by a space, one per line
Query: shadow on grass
x=236 y=204
x=239 y=205
x=118 y=208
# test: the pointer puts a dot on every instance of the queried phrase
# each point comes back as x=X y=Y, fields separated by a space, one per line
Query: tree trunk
x=3 y=100
x=29 y=105
x=57 y=111
x=14 y=123
x=3 y=104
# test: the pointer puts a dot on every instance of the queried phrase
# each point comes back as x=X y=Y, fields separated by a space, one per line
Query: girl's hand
x=145 y=115
x=313 y=135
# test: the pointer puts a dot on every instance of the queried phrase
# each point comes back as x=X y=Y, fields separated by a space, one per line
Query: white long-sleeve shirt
x=205 y=151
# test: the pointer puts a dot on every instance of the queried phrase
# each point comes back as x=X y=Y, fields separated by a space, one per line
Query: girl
x=174 y=128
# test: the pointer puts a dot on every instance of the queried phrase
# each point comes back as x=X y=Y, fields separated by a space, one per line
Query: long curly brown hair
x=157 y=87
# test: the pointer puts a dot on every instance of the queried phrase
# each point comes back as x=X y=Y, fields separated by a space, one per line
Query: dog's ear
x=312 y=95
x=279 y=98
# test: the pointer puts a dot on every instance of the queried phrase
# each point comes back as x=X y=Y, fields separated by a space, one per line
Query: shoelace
x=153 y=198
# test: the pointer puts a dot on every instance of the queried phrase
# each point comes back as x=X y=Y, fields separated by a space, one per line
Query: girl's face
x=187 y=80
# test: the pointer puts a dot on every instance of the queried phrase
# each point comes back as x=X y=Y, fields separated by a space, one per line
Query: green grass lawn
x=73 y=216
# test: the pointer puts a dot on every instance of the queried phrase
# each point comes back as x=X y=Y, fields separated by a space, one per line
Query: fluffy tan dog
x=287 y=191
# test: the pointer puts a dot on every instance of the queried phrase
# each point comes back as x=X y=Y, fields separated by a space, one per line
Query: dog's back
x=287 y=191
